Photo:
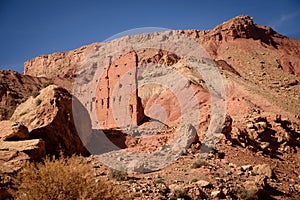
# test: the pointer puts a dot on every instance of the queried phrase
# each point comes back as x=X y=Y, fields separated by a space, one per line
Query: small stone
x=246 y=167
x=262 y=124
x=203 y=183
x=174 y=187
x=136 y=166
x=120 y=158
x=216 y=193
x=259 y=119
x=250 y=125
x=225 y=191
x=232 y=165
x=297 y=187
x=263 y=169
x=240 y=173
x=264 y=145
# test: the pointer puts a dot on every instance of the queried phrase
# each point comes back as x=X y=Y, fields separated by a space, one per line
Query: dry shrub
x=199 y=163
x=119 y=175
x=47 y=83
x=61 y=179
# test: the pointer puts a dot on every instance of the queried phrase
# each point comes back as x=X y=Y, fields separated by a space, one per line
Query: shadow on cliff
x=96 y=141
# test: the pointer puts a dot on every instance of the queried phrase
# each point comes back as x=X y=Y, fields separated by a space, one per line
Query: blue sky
x=34 y=27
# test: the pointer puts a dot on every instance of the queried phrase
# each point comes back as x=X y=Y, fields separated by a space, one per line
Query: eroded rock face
x=117 y=102
x=49 y=117
x=60 y=64
x=13 y=156
x=10 y=130
x=15 y=153
x=241 y=34
x=15 y=88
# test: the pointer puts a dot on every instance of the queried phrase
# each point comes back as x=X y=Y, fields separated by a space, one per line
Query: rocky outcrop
x=261 y=134
x=48 y=116
x=256 y=54
x=15 y=88
x=15 y=153
x=225 y=40
x=51 y=130
x=14 y=156
x=60 y=64
x=12 y=131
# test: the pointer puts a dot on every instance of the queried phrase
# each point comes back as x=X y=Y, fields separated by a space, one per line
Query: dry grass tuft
x=63 y=178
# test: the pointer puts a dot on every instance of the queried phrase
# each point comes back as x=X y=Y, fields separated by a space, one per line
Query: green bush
x=35 y=93
x=47 y=83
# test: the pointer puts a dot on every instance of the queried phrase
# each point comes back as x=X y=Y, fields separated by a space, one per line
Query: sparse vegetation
x=180 y=193
x=131 y=181
x=136 y=195
x=61 y=179
x=159 y=180
x=199 y=163
x=194 y=180
x=248 y=194
x=38 y=101
x=119 y=175
x=47 y=83
x=35 y=93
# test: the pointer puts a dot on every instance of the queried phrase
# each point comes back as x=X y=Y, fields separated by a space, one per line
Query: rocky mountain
x=256 y=156
x=230 y=41
x=265 y=61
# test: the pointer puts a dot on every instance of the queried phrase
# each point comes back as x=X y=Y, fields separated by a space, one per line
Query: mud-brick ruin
x=117 y=102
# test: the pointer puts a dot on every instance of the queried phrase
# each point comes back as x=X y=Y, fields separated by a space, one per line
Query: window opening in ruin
x=130 y=109
x=107 y=102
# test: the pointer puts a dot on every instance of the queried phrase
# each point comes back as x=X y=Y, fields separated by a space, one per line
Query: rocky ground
x=236 y=169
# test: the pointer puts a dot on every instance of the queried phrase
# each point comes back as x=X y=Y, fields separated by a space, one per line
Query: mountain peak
x=243 y=26
x=237 y=21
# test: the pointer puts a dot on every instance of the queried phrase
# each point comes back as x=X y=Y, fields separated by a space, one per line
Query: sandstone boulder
x=15 y=88
x=186 y=136
x=10 y=130
x=204 y=183
x=264 y=170
x=49 y=117
x=14 y=153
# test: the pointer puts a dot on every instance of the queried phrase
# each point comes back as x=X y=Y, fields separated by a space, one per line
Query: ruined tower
x=117 y=103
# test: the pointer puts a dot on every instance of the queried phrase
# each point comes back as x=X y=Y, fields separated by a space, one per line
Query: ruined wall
x=117 y=103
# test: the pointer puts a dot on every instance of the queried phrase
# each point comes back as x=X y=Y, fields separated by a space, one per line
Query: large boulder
x=14 y=156
x=49 y=116
x=14 y=153
x=15 y=88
